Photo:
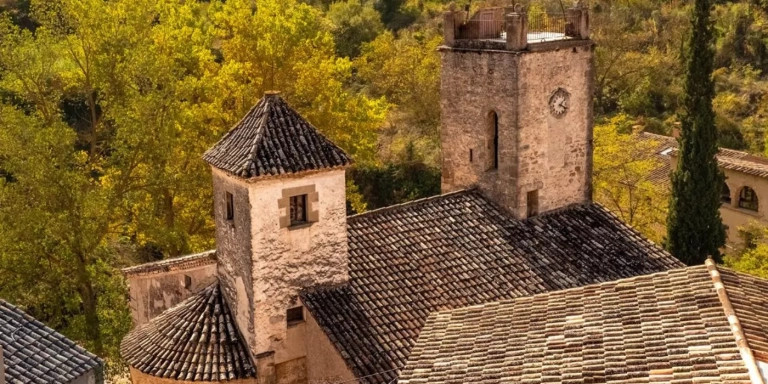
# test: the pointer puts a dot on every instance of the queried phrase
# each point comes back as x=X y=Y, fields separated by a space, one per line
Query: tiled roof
x=666 y=327
x=177 y=263
x=457 y=250
x=726 y=158
x=195 y=340
x=273 y=139
x=35 y=353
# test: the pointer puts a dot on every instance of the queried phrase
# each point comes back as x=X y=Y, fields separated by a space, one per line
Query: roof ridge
x=412 y=202
x=733 y=320
x=261 y=128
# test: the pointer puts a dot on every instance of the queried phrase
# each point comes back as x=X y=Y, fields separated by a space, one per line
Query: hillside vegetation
x=107 y=106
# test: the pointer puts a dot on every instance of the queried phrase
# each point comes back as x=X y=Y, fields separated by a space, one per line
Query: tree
x=105 y=111
x=354 y=22
x=751 y=255
x=694 y=228
x=622 y=177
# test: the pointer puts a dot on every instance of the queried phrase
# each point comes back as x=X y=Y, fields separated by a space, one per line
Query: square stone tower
x=280 y=210
x=516 y=101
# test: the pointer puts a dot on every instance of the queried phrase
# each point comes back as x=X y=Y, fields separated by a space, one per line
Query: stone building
x=31 y=352
x=746 y=182
x=303 y=293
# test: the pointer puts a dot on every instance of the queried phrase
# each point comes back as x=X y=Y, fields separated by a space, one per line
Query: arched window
x=493 y=140
x=748 y=199
x=725 y=194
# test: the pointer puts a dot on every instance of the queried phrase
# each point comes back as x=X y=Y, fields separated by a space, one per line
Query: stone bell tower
x=516 y=101
x=280 y=210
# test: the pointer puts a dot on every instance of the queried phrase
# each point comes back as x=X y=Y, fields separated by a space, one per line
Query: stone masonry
x=262 y=264
x=540 y=153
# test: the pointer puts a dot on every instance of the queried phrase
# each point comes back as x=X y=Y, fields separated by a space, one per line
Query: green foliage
x=406 y=70
x=105 y=110
x=621 y=177
x=751 y=256
x=694 y=228
x=396 y=183
x=354 y=23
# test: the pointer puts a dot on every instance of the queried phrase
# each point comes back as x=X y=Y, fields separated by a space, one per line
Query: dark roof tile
x=273 y=139
x=457 y=250
x=35 y=353
x=195 y=340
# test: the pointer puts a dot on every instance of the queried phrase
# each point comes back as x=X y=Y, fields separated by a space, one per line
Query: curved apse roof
x=196 y=340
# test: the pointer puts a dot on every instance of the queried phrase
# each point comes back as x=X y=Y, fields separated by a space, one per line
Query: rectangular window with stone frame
x=298 y=210
x=298 y=207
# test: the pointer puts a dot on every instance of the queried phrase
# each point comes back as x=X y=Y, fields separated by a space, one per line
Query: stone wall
x=138 y=377
x=324 y=362
x=264 y=261
x=285 y=260
x=537 y=150
x=233 y=247
x=86 y=378
x=555 y=152
x=473 y=84
x=155 y=287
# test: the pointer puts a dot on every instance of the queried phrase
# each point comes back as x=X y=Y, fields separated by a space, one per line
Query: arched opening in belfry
x=725 y=194
x=493 y=140
x=748 y=199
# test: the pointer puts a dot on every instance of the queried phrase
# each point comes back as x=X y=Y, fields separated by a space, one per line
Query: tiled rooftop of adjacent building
x=666 y=327
x=35 y=353
x=195 y=340
x=727 y=158
x=457 y=250
x=273 y=139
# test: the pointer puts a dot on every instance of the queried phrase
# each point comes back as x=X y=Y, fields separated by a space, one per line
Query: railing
x=544 y=26
x=485 y=24
x=515 y=28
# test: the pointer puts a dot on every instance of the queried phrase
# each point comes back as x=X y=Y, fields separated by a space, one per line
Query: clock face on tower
x=558 y=102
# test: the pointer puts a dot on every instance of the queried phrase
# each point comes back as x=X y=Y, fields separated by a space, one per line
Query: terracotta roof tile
x=726 y=158
x=457 y=250
x=197 y=340
x=273 y=139
x=665 y=327
x=35 y=353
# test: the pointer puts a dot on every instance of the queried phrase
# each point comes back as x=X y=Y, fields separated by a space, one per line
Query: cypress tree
x=694 y=227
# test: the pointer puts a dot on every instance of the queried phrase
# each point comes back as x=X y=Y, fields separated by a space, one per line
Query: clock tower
x=516 y=101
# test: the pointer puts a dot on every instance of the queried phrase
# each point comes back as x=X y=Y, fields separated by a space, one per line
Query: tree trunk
x=90 y=309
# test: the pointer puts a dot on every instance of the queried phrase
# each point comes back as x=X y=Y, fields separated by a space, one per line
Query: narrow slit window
x=495 y=141
x=298 y=210
x=533 y=203
x=187 y=282
x=492 y=141
x=471 y=155
x=295 y=315
x=230 y=206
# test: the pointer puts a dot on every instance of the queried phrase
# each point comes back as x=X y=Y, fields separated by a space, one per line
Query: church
x=296 y=291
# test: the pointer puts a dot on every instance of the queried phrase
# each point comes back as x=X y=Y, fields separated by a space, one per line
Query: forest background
x=107 y=106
